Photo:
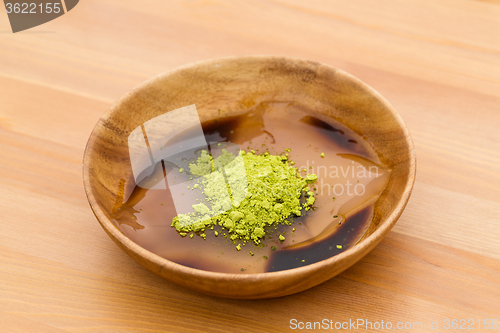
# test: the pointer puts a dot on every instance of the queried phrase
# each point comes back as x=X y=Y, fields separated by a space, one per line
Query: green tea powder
x=244 y=195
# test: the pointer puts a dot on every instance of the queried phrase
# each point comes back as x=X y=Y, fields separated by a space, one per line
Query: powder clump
x=245 y=193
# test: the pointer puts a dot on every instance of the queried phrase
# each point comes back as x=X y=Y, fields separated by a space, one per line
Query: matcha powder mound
x=244 y=194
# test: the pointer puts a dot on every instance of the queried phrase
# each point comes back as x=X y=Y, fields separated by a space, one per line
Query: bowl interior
x=237 y=84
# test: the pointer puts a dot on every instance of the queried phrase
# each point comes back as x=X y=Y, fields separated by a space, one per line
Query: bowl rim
x=365 y=245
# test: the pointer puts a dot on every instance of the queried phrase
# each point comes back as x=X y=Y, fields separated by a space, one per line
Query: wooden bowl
x=236 y=83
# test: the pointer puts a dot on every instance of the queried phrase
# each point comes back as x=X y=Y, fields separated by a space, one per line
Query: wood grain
x=437 y=62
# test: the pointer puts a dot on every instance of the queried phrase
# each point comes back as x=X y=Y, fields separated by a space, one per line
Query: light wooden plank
x=436 y=61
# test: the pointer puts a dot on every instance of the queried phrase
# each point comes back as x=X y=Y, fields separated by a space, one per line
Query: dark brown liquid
x=331 y=228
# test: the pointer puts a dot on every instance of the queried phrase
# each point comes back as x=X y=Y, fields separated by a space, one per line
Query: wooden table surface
x=436 y=61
